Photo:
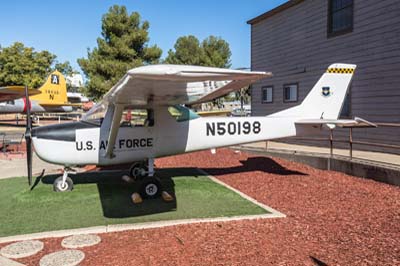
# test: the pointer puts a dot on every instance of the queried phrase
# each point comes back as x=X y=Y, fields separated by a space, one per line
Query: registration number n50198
x=232 y=128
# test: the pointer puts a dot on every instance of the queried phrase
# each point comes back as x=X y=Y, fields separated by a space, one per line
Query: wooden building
x=298 y=40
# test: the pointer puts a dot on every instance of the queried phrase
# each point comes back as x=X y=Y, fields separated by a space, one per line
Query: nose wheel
x=64 y=183
x=60 y=186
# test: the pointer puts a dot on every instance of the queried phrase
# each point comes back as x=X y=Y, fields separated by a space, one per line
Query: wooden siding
x=294 y=46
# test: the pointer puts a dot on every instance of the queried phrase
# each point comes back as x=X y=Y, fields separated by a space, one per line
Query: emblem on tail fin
x=326 y=91
x=55 y=79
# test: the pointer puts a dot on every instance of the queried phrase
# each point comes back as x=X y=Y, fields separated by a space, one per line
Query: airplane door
x=172 y=136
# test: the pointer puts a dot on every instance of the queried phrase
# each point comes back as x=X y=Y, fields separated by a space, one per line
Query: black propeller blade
x=28 y=137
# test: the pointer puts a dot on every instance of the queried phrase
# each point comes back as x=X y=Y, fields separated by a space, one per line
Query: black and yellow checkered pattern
x=340 y=70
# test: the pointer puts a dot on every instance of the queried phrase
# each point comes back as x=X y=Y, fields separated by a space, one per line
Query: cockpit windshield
x=181 y=113
x=96 y=114
x=137 y=117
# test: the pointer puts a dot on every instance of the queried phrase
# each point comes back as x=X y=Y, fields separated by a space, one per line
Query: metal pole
x=331 y=149
x=351 y=143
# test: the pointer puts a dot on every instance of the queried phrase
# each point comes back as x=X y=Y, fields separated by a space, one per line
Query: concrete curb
x=125 y=227
x=150 y=225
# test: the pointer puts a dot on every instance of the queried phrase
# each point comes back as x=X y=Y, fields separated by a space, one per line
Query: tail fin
x=53 y=91
x=326 y=98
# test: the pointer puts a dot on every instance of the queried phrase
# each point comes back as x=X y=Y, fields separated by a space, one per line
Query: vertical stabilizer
x=53 y=91
x=326 y=98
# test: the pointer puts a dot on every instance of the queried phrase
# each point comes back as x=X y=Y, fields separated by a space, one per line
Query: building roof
x=274 y=11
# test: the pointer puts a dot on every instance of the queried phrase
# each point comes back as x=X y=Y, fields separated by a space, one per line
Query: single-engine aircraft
x=157 y=94
x=51 y=97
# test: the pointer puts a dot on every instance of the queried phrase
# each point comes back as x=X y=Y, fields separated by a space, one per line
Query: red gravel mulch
x=332 y=219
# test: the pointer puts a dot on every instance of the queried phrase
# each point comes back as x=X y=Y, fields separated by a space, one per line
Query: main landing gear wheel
x=58 y=185
x=150 y=188
x=138 y=171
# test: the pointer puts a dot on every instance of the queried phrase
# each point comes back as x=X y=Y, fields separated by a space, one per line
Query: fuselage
x=19 y=106
x=82 y=143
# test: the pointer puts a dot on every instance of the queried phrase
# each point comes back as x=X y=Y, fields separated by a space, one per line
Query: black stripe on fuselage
x=64 y=132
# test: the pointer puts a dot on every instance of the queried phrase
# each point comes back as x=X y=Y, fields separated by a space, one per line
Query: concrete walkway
x=17 y=167
x=365 y=155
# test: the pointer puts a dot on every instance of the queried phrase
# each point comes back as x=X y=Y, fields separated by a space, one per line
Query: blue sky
x=68 y=28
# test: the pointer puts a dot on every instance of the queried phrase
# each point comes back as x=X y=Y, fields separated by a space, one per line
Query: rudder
x=326 y=98
x=53 y=91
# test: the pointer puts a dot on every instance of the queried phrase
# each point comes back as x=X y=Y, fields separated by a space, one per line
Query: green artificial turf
x=102 y=198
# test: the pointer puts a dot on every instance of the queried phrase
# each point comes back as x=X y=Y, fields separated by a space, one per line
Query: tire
x=57 y=185
x=150 y=188
x=138 y=171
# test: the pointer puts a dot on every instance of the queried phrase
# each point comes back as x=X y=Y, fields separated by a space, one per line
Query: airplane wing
x=10 y=93
x=168 y=85
x=178 y=84
x=331 y=123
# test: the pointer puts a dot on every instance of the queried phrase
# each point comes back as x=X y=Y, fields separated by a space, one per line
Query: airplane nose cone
x=63 y=132
x=33 y=132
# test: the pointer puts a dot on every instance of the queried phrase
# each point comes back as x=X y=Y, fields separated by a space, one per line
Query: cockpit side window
x=137 y=118
x=181 y=113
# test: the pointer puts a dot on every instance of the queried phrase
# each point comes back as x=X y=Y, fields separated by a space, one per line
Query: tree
x=216 y=52
x=213 y=51
x=20 y=65
x=187 y=52
x=65 y=68
x=123 y=45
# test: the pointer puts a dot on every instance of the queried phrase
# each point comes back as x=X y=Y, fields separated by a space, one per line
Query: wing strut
x=110 y=127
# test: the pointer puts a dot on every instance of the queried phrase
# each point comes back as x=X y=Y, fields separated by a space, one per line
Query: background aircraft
x=164 y=127
x=51 y=97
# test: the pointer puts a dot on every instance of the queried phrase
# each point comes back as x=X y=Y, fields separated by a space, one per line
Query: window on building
x=340 y=17
x=290 y=92
x=267 y=94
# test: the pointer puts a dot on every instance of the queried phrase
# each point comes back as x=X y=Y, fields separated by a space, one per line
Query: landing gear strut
x=149 y=185
x=64 y=183
x=138 y=171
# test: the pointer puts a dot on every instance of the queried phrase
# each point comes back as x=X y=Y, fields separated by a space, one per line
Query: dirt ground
x=332 y=219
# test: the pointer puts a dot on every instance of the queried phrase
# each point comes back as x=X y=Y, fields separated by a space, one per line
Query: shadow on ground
x=262 y=164
x=115 y=194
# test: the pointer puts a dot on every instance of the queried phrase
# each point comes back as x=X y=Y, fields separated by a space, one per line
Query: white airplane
x=109 y=136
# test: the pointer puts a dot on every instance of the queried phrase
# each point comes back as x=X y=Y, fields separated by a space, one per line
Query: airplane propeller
x=28 y=136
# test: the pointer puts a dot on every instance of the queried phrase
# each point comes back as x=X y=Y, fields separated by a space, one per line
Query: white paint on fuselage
x=166 y=137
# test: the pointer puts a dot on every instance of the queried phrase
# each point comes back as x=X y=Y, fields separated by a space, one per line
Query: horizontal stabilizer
x=331 y=123
x=10 y=93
